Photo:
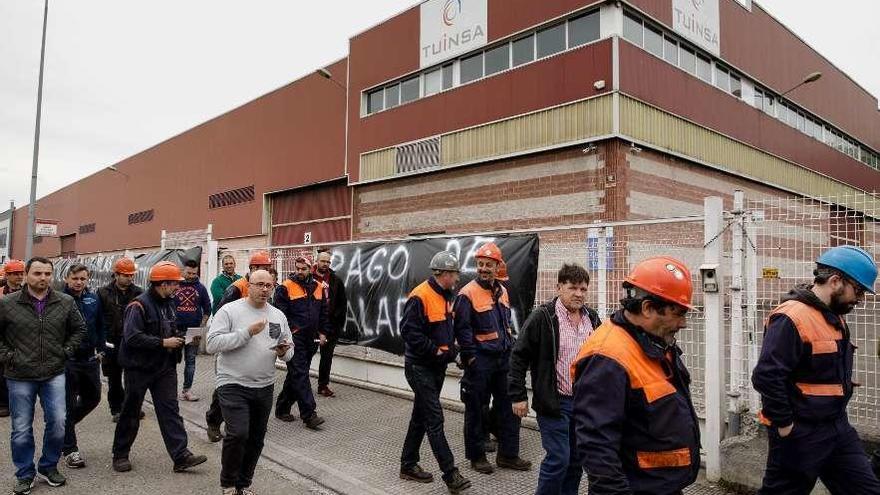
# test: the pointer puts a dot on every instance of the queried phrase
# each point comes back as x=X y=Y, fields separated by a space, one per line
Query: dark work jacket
x=637 y=431
x=537 y=350
x=427 y=325
x=148 y=320
x=95 y=341
x=337 y=302
x=482 y=319
x=113 y=304
x=304 y=306
x=805 y=369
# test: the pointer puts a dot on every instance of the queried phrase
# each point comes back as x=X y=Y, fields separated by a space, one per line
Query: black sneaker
x=456 y=483
x=121 y=465
x=214 y=434
x=313 y=421
x=482 y=465
x=51 y=476
x=23 y=486
x=191 y=460
x=515 y=463
x=416 y=473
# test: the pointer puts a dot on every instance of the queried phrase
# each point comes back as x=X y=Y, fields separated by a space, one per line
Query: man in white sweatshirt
x=248 y=334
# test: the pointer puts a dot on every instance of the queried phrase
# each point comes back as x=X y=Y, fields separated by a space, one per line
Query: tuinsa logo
x=698 y=4
x=451 y=27
x=451 y=11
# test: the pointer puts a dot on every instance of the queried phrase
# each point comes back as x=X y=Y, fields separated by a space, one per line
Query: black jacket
x=113 y=303
x=337 y=304
x=149 y=319
x=35 y=347
x=537 y=348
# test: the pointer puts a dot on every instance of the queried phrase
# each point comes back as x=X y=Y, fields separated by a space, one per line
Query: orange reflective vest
x=242 y=285
x=647 y=430
x=482 y=323
x=437 y=327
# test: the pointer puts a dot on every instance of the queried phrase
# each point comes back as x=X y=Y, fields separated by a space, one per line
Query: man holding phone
x=247 y=335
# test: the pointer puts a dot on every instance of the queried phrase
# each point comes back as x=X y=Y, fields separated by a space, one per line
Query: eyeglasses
x=263 y=285
x=857 y=287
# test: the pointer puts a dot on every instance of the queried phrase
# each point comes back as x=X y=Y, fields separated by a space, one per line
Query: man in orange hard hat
x=238 y=289
x=17 y=278
x=483 y=330
x=636 y=428
x=14 y=270
x=114 y=297
x=150 y=351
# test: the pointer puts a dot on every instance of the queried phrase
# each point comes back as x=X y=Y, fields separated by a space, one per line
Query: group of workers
x=613 y=398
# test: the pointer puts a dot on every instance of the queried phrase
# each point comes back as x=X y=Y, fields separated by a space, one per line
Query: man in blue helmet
x=804 y=376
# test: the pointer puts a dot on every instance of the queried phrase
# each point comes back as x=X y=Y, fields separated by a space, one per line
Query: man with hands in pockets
x=248 y=335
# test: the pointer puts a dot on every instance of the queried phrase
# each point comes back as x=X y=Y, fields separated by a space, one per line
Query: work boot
x=416 y=473
x=313 y=421
x=121 y=465
x=214 y=434
x=455 y=482
x=190 y=460
x=324 y=390
x=515 y=463
x=4 y=412
x=52 y=476
x=74 y=460
x=23 y=486
x=286 y=417
x=482 y=465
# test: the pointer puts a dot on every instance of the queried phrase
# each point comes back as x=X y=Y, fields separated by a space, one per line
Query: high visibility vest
x=491 y=322
x=438 y=313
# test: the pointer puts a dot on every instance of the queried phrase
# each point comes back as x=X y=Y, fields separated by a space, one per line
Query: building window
x=704 y=69
x=447 y=76
x=140 y=217
x=551 y=40
x=670 y=50
x=722 y=78
x=433 y=82
x=409 y=90
x=374 y=101
x=632 y=29
x=471 y=68
x=736 y=88
x=392 y=96
x=497 y=59
x=654 y=41
x=583 y=29
x=524 y=50
x=83 y=229
x=688 y=60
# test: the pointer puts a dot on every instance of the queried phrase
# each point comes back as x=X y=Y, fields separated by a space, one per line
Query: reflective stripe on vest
x=436 y=307
x=614 y=342
x=295 y=291
x=823 y=337
x=243 y=286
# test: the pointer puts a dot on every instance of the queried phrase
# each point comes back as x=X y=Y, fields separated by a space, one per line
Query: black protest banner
x=101 y=267
x=378 y=278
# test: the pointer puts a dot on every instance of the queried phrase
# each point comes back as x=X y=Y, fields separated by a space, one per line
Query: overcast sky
x=123 y=75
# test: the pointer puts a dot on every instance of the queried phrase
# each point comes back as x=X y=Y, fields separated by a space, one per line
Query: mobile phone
x=276 y=346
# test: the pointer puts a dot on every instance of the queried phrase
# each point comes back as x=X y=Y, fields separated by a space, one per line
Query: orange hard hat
x=491 y=251
x=165 y=271
x=502 y=272
x=124 y=266
x=2 y=271
x=664 y=277
x=260 y=258
x=14 y=266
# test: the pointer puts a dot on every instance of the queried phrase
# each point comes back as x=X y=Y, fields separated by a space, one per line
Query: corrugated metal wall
x=323 y=211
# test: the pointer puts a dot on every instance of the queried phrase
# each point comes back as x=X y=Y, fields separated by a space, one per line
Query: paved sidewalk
x=152 y=467
x=358 y=450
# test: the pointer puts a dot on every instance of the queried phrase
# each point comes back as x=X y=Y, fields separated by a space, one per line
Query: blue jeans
x=189 y=369
x=22 y=400
x=560 y=471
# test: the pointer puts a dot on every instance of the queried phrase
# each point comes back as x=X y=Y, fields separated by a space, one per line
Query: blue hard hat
x=855 y=262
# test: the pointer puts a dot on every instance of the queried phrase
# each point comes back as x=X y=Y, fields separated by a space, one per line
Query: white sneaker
x=74 y=460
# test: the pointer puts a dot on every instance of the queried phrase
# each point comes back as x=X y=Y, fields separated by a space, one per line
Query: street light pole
x=29 y=246
x=811 y=78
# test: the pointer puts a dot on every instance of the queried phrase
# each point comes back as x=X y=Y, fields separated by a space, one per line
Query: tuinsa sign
x=450 y=28
x=699 y=22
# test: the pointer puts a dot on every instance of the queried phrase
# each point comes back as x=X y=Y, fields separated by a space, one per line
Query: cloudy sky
x=123 y=75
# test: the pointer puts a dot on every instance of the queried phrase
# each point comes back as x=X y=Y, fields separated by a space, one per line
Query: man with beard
x=301 y=299
x=804 y=376
x=483 y=330
x=334 y=291
x=114 y=297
